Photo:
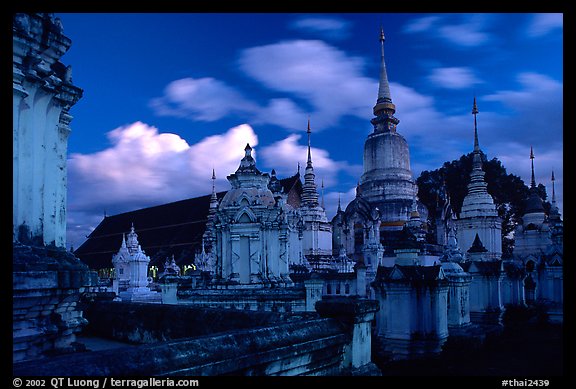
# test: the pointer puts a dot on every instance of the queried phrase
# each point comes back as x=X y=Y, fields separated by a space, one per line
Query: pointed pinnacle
x=553 y=189
x=309 y=131
x=474 y=107
x=532 y=180
x=475 y=112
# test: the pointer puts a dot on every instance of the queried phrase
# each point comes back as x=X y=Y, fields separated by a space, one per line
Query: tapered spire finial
x=384 y=87
x=384 y=109
x=475 y=112
x=553 y=189
x=309 y=194
x=532 y=179
x=309 y=131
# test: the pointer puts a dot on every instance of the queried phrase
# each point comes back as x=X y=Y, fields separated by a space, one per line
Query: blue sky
x=168 y=97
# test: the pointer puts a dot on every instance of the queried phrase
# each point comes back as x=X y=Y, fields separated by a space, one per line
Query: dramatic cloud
x=466 y=34
x=144 y=167
x=536 y=120
x=285 y=155
x=453 y=77
x=203 y=99
x=327 y=27
x=538 y=103
x=325 y=77
x=468 y=31
x=421 y=24
x=313 y=72
x=542 y=24
x=284 y=113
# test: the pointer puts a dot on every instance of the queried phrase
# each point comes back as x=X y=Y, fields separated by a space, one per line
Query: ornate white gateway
x=257 y=235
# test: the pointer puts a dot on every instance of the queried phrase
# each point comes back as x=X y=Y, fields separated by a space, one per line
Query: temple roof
x=414 y=274
x=483 y=267
x=169 y=229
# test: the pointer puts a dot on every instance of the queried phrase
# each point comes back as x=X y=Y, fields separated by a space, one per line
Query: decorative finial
x=475 y=112
x=248 y=150
x=384 y=87
x=339 y=208
x=553 y=189
x=213 y=181
x=322 y=189
x=474 y=107
x=309 y=131
x=298 y=171
x=533 y=180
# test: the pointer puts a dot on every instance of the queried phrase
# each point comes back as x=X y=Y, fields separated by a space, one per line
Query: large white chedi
x=386 y=193
x=258 y=235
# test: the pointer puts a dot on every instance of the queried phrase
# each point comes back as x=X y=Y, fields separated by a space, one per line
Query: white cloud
x=536 y=120
x=421 y=24
x=468 y=31
x=285 y=155
x=453 y=77
x=536 y=90
x=542 y=24
x=328 y=27
x=144 y=167
x=203 y=99
x=284 y=113
x=321 y=76
x=464 y=35
x=327 y=78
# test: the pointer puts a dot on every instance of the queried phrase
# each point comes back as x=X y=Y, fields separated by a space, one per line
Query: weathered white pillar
x=169 y=288
x=42 y=95
x=313 y=288
x=358 y=314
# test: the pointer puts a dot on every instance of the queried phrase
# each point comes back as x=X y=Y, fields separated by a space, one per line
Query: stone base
x=47 y=284
x=487 y=317
x=402 y=349
x=141 y=296
x=556 y=316
x=369 y=369
x=468 y=337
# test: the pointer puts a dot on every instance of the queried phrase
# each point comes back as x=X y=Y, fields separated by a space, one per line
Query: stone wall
x=46 y=286
x=148 y=323
x=252 y=343
x=292 y=299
